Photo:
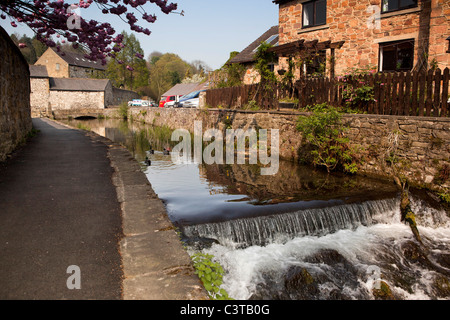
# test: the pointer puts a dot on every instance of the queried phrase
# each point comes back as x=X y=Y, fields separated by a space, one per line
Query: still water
x=299 y=234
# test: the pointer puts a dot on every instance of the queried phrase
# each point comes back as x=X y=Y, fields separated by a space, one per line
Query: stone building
x=70 y=65
x=390 y=35
x=15 y=117
x=40 y=90
x=247 y=56
x=49 y=94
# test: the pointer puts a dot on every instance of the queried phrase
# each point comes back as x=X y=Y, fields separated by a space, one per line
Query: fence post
x=445 y=84
x=407 y=99
x=429 y=101
x=437 y=92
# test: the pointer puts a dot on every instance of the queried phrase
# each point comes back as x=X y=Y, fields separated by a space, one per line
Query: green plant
x=357 y=93
x=326 y=144
x=445 y=196
x=252 y=105
x=228 y=122
x=82 y=126
x=123 y=111
x=211 y=275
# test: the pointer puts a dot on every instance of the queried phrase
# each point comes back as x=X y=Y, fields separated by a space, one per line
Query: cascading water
x=278 y=228
x=331 y=253
x=292 y=248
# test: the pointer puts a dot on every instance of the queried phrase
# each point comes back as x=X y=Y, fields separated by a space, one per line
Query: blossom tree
x=48 y=18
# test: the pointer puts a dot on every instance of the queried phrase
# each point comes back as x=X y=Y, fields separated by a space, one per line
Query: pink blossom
x=22 y=45
x=49 y=17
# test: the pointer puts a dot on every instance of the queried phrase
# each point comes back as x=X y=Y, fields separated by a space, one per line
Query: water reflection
x=270 y=231
x=199 y=193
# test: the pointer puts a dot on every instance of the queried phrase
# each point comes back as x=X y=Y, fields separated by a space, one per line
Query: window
x=314 y=13
x=393 y=5
x=269 y=40
x=57 y=67
x=397 y=56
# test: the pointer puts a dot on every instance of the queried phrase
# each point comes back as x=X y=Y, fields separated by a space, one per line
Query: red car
x=164 y=100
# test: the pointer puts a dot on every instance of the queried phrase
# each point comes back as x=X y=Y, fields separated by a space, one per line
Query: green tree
x=230 y=74
x=38 y=46
x=28 y=51
x=129 y=70
x=165 y=72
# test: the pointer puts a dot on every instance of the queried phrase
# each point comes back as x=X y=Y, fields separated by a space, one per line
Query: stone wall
x=347 y=20
x=81 y=72
x=56 y=66
x=120 y=95
x=72 y=100
x=251 y=75
x=109 y=113
x=15 y=115
x=39 y=96
x=422 y=151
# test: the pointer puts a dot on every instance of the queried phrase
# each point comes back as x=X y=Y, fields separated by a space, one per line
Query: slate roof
x=78 y=84
x=181 y=89
x=38 y=71
x=280 y=1
x=247 y=55
x=78 y=60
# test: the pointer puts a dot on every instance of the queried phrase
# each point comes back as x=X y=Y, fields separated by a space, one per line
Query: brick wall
x=15 y=116
x=347 y=21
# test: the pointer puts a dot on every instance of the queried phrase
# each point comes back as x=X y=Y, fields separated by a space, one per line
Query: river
x=299 y=234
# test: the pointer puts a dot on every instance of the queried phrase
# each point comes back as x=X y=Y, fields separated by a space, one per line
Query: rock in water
x=408 y=215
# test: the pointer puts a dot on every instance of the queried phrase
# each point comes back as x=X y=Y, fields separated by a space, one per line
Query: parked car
x=164 y=100
x=135 y=102
x=190 y=100
x=141 y=103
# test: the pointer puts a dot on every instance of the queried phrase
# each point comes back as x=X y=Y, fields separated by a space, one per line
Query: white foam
x=361 y=247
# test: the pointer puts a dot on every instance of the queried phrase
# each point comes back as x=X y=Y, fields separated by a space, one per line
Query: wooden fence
x=242 y=96
x=398 y=93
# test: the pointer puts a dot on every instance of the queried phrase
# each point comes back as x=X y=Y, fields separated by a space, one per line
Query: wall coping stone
x=359 y=115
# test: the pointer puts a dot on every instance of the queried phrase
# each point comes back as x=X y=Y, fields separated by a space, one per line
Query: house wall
x=347 y=20
x=50 y=59
x=251 y=75
x=39 y=96
x=73 y=100
x=81 y=72
x=15 y=115
x=439 y=32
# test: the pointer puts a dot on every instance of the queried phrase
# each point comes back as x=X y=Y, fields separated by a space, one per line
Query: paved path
x=72 y=197
x=58 y=208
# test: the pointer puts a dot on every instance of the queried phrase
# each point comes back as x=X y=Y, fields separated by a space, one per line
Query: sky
x=208 y=31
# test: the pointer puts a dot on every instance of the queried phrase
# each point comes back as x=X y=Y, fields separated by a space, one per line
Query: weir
x=278 y=228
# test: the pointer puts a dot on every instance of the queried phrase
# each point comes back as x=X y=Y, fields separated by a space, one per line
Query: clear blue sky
x=208 y=31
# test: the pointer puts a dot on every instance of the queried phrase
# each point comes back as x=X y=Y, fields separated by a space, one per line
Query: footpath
x=73 y=198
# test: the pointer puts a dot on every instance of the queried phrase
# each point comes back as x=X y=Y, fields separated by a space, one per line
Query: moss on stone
x=384 y=292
